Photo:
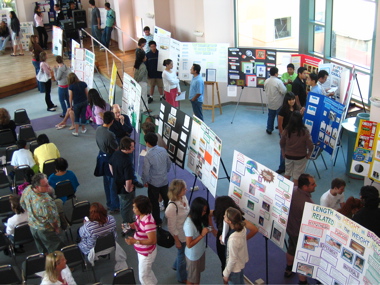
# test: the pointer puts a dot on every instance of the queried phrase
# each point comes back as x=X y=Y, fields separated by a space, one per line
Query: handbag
x=42 y=76
x=164 y=238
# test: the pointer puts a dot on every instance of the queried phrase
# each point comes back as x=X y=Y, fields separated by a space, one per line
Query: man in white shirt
x=275 y=90
x=23 y=156
x=334 y=198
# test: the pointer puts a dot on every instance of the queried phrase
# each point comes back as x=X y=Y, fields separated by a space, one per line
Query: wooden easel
x=213 y=106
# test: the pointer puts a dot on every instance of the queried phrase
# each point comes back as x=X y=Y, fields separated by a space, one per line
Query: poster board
x=323 y=117
x=163 y=41
x=249 y=66
x=26 y=29
x=111 y=94
x=336 y=74
x=89 y=66
x=131 y=100
x=263 y=195
x=4 y=15
x=74 y=45
x=309 y=62
x=374 y=171
x=174 y=127
x=205 y=149
x=335 y=249
x=57 y=40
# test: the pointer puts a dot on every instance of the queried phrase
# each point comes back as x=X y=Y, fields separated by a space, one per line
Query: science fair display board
x=57 y=40
x=336 y=250
x=336 y=81
x=111 y=93
x=249 y=66
x=309 y=62
x=131 y=100
x=26 y=30
x=205 y=149
x=84 y=66
x=174 y=127
x=323 y=118
x=74 y=45
x=263 y=195
x=163 y=39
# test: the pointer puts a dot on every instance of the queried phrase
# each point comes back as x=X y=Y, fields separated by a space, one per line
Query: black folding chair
x=21 y=117
x=22 y=235
x=9 y=275
x=27 y=133
x=6 y=245
x=9 y=153
x=80 y=210
x=5 y=206
x=65 y=189
x=124 y=276
x=7 y=138
x=49 y=167
x=33 y=264
x=33 y=145
x=105 y=242
x=74 y=258
x=4 y=180
x=18 y=178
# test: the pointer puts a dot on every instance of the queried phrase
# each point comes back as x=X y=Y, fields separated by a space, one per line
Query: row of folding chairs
x=26 y=133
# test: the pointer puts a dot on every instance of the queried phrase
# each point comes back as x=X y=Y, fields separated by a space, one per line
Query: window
x=10 y=4
x=282 y=28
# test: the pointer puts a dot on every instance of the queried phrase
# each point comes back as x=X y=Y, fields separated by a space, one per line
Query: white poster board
x=263 y=195
x=89 y=65
x=74 y=45
x=26 y=30
x=57 y=40
x=334 y=79
x=205 y=148
x=336 y=250
x=131 y=100
x=163 y=41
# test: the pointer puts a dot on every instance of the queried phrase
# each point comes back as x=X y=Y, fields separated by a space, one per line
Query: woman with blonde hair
x=176 y=214
x=47 y=70
x=78 y=94
x=56 y=270
x=6 y=122
x=36 y=49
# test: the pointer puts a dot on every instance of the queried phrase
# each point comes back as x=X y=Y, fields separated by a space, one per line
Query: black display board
x=249 y=67
x=175 y=128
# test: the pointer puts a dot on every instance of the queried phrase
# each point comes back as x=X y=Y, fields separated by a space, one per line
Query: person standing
x=61 y=72
x=72 y=7
x=311 y=81
x=16 y=34
x=154 y=76
x=110 y=24
x=171 y=83
x=51 y=107
x=141 y=76
x=196 y=91
x=43 y=217
x=121 y=126
x=107 y=145
x=275 y=90
x=301 y=195
x=334 y=197
x=322 y=78
x=4 y=36
x=148 y=37
x=36 y=50
x=58 y=15
x=289 y=77
x=78 y=99
x=42 y=34
x=299 y=86
x=95 y=23
x=155 y=174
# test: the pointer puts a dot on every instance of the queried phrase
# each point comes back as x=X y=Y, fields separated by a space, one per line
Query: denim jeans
x=197 y=109
x=126 y=202
x=236 y=278
x=80 y=112
x=282 y=162
x=111 y=193
x=96 y=33
x=3 y=42
x=106 y=36
x=272 y=114
x=63 y=95
x=40 y=85
x=180 y=263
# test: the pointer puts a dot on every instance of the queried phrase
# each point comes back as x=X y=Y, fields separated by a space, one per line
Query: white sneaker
x=162 y=207
x=84 y=131
x=75 y=134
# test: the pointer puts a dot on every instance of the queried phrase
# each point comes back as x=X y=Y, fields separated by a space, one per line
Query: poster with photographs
x=131 y=100
x=205 y=148
x=174 y=127
x=249 y=66
x=323 y=118
x=57 y=40
x=26 y=30
x=263 y=195
x=335 y=250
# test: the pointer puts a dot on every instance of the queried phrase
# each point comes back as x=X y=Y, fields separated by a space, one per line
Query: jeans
x=40 y=85
x=153 y=194
x=96 y=33
x=63 y=95
x=80 y=112
x=3 y=42
x=48 y=101
x=126 y=202
x=272 y=114
x=180 y=263
x=146 y=274
x=282 y=162
x=46 y=241
x=106 y=36
x=42 y=36
x=197 y=109
x=236 y=278
x=111 y=193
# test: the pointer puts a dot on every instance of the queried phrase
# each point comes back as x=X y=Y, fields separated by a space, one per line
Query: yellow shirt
x=45 y=152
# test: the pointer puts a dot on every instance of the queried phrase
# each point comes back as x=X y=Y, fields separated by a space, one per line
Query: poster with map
x=336 y=250
x=205 y=148
x=263 y=195
x=131 y=100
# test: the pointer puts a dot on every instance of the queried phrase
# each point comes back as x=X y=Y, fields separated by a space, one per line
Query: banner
x=205 y=148
x=57 y=40
x=111 y=94
x=336 y=250
x=249 y=66
x=131 y=100
x=263 y=195
x=174 y=127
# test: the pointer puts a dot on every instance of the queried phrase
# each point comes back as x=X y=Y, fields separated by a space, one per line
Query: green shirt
x=285 y=77
x=110 y=21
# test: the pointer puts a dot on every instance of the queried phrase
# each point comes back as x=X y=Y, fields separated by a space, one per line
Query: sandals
x=20 y=54
x=12 y=54
x=72 y=128
x=59 y=127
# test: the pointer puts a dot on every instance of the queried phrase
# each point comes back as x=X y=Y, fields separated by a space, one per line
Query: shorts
x=16 y=41
x=294 y=168
x=155 y=82
x=194 y=269
x=292 y=240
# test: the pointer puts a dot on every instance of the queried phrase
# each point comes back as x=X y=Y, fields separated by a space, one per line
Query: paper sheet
x=181 y=96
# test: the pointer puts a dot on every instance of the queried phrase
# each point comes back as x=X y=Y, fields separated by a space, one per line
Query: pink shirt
x=39 y=20
x=143 y=227
x=46 y=68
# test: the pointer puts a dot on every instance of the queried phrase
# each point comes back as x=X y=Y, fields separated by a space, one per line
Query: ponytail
x=236 y=219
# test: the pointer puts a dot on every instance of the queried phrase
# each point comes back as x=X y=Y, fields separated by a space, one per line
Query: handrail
x=124 y=33
x=106 y=50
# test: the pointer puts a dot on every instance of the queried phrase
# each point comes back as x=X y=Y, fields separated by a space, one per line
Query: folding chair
x=5 y=206
x=124 y=276
x=65 y=189
x=18 y=178
x=80 y=210
x=22 y=234
x=74 y=257
x=5 y=244
x=105 y=242
x=49 y=167
x=4 y=180
x=21 y=117
x=6 y=138
x=33 y=145
x=9 y=153
x=33 y=264
x=27 y=133
x=9 y=275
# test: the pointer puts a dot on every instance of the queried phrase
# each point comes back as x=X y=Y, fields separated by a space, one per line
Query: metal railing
x=126 y=35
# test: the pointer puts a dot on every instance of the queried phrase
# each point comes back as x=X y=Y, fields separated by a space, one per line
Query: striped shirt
x=90 y=231
x=143 y=227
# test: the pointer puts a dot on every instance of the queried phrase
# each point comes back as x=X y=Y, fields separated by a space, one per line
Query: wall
x=25 y=10
x=162 y=14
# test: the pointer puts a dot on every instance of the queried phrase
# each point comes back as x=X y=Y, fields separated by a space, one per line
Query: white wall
x=25 y=10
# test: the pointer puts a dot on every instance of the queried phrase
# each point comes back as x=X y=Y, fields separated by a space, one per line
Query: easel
x=213 y=106
x=237 y=104
x=315 y=157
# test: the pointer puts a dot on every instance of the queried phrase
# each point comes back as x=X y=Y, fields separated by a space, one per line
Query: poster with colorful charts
x=131 y=100
x=374 y=172
x=174 y=127
x=336 y=250
x=205 y=148
x=263 y=195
